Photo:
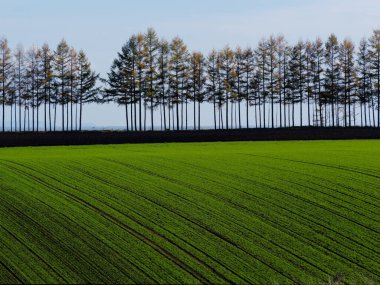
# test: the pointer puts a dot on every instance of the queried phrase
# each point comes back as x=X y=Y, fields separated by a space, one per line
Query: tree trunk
x=195 y=125
x=177 y=110
x=71 y=112
x=63 y=117
x=140 y=110
x=163 y=106
x=239 y=102
x=199 y=115
x=169 y=117
x=214 y=103
x=186 y=113
x=11 y=117
x=293 y=106
x=227 y=110
x=145 y=106
x=24 y=118
x=81 y=112
x=126 y=116
x=259 y=110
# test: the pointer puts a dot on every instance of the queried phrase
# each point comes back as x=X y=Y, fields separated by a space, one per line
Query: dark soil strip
x=111 y=137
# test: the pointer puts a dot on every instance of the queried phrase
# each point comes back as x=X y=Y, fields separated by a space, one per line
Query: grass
x=252 y=212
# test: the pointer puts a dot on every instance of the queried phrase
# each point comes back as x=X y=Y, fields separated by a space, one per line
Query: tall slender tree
x=212 y=81
x=62 y=76
x=163 y=81
x=272 y=49
x=363 y=80
x=20 y=81
x=73 y=86
x=178 y=75
x=317 y=63
x=262 y=63
x=47 y=62
x=87 y=90
x=197 y=83
x=133 y=82
x=297 y=68
x=240 y=80
x=309 y=66
x=282 y=74
x=332 y=77
x=140 y=72
x=33 y=79
x=348 y=82
x=6 y=75
x=151 y=43
x=375 y=68
x=228 y=74
x=248 y=67
x=121 y=82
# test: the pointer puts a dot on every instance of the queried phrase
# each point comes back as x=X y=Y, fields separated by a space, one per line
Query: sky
x=100 y=27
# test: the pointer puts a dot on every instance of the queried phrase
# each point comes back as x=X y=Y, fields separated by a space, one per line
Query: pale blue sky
x=101 y=27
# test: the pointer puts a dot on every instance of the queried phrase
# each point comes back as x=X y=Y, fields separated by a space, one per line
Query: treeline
x=311 y=83
x=33 y=83
x=162 y=85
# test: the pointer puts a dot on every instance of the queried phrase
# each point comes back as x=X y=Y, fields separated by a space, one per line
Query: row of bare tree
x=35 y=82
x=310 y=83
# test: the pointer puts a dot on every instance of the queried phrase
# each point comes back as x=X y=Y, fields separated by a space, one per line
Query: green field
x=250 y=212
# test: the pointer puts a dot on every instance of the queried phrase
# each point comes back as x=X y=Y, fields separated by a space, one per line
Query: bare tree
x=374 y=42
x=62 y=76
x=6 y=75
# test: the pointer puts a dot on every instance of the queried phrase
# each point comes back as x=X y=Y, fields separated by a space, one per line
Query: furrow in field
x=345 y=221
x=335 y=167
x=162 y=206
x=270 y=183
x=121 y=224
x=328 y=230
x=44 y=239
x=131 y=210
x=279 y=174
x=120 y=264
x=76 y=232
x=237 y=178
x=331 y=189
x=335 y=208
x=13 y=228
x=8 y=273
x=257 y=168
x=257 y=213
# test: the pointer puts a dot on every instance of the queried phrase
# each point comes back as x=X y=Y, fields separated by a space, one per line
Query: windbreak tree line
x=311 y=83
x=35 y=82
x=162 y=85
